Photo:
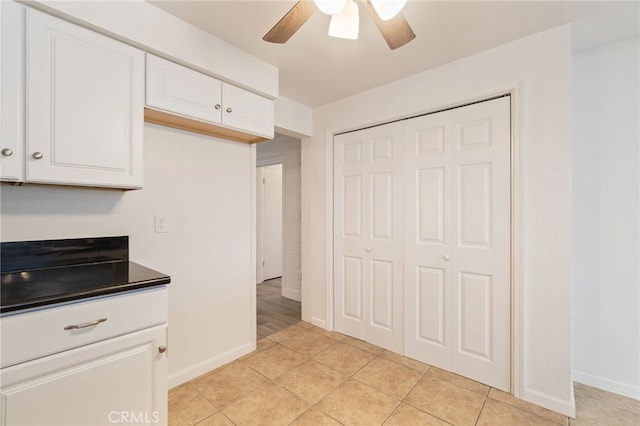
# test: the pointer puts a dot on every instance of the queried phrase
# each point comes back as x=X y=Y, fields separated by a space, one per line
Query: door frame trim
x=514 y=90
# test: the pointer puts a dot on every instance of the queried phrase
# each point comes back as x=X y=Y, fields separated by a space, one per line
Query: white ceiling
x=316 y=69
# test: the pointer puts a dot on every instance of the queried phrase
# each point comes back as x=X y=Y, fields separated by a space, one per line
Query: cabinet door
x=85 y=106
x=12 y=88
x=247 y=111
x=117 y=381
x=177 y=89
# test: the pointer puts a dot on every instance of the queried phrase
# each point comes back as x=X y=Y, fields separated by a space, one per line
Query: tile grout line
x=401 y=401
x=413 y=388
x=353 y=343
x=306 y=359
x=528 y=411
x=484 y=401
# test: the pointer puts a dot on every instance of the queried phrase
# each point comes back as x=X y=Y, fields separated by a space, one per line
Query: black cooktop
x=40 y=273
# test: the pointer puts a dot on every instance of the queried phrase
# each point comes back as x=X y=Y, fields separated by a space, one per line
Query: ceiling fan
x=344 y=15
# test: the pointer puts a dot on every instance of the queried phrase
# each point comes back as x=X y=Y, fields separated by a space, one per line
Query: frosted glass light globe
x=346 y=23
x=330 y=7
x=387 y=9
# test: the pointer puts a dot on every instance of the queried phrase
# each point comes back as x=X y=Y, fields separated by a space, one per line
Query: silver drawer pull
x=85 y=324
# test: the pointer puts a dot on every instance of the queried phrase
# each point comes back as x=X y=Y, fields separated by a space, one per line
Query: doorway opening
x=278 y=228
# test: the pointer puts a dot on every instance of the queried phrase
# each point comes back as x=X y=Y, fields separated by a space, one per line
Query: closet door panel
x=480 y=254
x=457 y=241
x=368 y=227
x=351 y=223
x=430 y=306
x=430 y=210
x=427 y=239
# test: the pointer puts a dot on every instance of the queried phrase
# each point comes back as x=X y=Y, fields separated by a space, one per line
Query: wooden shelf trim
x=190 y=125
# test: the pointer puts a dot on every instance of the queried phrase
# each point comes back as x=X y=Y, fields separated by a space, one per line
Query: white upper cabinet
x=247 y=111
x=183 y=91
x=11 y=87
x=172 y=87
x=85 y=106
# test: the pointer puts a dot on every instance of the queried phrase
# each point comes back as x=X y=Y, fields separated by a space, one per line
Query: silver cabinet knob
x=7 y=152
x=229 y=110
x=217 y=106
x=162 y=349
x=446 y=257
x=368 y=249
x=37 y=155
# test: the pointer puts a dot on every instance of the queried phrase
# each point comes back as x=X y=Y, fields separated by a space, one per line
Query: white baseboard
x=608 y=385
x=567 y=408
x=292 y=293
x=186 y=374
x=319 y=322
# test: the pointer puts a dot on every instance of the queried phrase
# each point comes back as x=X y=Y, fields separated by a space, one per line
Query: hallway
x=274 y=312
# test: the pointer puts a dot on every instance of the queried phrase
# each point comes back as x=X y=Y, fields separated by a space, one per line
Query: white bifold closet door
x=457 y=241
x=368 y=218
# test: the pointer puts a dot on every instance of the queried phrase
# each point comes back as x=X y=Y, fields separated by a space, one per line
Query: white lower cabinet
x=99 y=361
x=122 y=380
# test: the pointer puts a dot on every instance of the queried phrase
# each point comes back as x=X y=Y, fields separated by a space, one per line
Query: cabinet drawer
x=30 y=335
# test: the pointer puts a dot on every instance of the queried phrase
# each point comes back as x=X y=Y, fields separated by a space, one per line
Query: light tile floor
x=304 y=375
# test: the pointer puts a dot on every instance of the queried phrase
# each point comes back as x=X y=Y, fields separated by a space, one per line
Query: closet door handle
x=368 y=249
x=446 y=257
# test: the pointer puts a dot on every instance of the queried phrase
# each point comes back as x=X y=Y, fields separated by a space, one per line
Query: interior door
x=271 y=221
x=457 y=241
x=368 y=235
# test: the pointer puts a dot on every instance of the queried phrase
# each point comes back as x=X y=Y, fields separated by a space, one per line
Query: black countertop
x=40 y=287
x=27 y=285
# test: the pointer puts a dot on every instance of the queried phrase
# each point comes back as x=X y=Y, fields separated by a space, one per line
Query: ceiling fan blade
x=291 y=22
x=396 y=31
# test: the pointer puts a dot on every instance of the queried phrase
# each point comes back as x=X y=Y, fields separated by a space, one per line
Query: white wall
x=288 y=148
x=606 y=271
x=292 y=118
x=203 y=185
x=539 y=67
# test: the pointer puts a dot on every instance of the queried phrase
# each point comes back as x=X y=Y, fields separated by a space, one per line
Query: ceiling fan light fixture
x=387 y=9
x=330 y=7
x=346 y=23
